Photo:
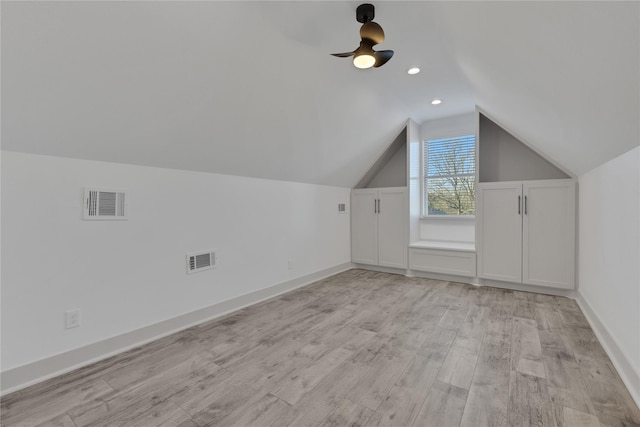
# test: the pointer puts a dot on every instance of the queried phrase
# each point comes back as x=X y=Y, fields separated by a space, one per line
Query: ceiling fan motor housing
x=365 y=13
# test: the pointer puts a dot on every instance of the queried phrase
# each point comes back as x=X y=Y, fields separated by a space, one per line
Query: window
x=449 y=176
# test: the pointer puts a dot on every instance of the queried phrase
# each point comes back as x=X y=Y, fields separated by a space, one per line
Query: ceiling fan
x=371 y=35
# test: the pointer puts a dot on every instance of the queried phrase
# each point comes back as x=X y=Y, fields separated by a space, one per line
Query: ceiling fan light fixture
x=371 y=34
x=364 y=60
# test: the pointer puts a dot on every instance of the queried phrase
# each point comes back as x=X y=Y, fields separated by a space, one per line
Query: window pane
x=451 y=196
x=451 y=156
x=449 y=182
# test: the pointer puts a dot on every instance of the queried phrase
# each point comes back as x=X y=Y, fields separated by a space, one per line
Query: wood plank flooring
x=360 y=348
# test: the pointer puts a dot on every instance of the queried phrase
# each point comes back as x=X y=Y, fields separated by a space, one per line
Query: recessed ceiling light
x=436 y=102
x=414 y=70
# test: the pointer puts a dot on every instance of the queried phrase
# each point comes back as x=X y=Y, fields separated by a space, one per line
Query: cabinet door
x=392 y=227
x=549 y=233
x=499 y=225
x=364 y=226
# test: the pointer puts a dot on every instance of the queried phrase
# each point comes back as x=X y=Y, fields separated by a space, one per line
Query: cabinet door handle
x=378 y=205
x=519 y=205
x=375 y=205
x=525 y=205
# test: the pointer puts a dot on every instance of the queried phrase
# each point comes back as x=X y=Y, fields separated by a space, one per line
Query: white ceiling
x=249 y=88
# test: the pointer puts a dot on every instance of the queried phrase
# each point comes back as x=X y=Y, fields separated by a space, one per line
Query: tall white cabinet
x=526 y=232
x=379 y=226
x=499 y=231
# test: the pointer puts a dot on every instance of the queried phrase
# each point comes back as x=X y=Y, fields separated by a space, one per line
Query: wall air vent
x=200 y=261
x=342 y=208
x=104 y=204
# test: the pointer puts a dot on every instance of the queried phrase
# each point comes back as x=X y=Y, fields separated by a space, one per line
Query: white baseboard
x=476 y=281
x=621 y=361
x=32 y=373
x=569 y=293
x=390 y=270
x=444 y=277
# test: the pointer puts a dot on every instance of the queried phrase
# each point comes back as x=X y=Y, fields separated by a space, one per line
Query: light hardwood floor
x=359 y=348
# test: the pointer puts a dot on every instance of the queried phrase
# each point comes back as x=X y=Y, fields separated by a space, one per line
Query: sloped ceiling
x=249 y=88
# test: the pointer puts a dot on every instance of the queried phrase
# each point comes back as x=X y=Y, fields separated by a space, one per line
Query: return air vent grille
x=105 y=204
x=200 y=261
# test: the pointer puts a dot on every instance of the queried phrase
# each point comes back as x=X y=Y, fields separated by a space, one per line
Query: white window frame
x=424 y=210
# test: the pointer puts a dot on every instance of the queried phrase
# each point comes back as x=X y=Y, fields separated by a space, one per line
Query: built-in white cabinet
x=526 y=232
x=499 y=231
x=379 y=231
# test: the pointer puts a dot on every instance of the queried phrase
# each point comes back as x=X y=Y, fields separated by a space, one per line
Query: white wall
x=503 y=157
x=609 y=251
x=448 y=230
x=394 y=172
x=125 y=275
x=413 y=172
x=463 y=124
x=443 y=229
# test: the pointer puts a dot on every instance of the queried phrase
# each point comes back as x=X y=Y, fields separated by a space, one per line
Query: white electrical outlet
x=290 y=264
x=72 y=319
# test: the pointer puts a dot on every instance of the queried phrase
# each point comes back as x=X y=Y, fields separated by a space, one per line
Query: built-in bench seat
x=455 y=258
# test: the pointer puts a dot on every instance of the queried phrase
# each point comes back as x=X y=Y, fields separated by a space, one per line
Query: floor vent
x=104 y=204
x=200 y=261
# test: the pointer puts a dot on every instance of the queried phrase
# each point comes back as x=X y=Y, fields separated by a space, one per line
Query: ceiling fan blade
x=344 y=55
x=382 y=57
x=372 y=31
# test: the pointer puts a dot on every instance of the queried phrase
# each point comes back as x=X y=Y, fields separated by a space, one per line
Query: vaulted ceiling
x=249 y=88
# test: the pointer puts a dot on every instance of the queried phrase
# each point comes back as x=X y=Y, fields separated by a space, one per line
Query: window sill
x=441 y=245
